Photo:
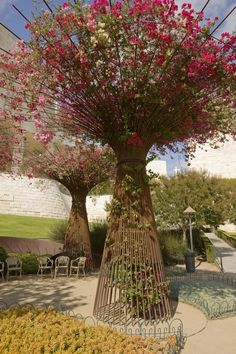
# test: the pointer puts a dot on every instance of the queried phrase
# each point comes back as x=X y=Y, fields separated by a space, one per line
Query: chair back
x=13 y=261
x=43 y=261
x=62 y=261
x=82 y=261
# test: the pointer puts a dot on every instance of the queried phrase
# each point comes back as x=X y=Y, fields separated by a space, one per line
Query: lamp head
x=189 y=211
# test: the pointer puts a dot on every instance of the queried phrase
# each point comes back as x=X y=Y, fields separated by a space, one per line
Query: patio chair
x=45 y=264
x=2 y=269
x=14 y=264
x=77 y=265
x=62 y=263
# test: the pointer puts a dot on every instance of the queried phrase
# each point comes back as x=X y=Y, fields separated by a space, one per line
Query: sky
x=220 y=8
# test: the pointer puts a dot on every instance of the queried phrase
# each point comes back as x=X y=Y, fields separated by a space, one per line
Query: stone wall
x=43 y=198
x=35 y=197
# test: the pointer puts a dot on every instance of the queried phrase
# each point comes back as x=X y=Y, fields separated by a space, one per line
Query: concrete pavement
x=227 y=253
x=203 y=336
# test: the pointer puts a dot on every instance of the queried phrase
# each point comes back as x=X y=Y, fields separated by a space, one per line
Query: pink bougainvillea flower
x=135 y=140
x=135 y=40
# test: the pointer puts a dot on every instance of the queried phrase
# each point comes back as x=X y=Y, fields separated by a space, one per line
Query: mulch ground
x=26 y=245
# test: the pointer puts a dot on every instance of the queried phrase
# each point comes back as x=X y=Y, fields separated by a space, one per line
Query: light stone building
x=220 y=162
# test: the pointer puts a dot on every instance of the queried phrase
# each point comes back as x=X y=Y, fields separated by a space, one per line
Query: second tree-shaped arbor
x=79 y=167
x=135 y=74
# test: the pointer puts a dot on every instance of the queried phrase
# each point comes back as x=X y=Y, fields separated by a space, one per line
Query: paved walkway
x=203 y=336
x=227 y=253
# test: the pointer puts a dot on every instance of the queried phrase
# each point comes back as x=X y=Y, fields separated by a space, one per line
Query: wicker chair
x=62 y=263
x=14 y=264
x=77 y=265
x=45 y=264
x=2 y=269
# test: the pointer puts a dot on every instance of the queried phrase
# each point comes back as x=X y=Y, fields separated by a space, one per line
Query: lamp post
x=190 y=212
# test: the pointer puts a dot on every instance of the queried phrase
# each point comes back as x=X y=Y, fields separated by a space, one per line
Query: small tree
x=207 y=194
x=79 y=168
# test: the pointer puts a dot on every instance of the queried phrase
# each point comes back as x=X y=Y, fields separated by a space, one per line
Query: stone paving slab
x=224 y=250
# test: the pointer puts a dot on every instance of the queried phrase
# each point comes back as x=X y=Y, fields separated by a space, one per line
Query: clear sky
x=10 y=18
x=13 y=20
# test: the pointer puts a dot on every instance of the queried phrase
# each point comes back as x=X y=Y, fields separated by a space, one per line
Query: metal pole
x=191 y=234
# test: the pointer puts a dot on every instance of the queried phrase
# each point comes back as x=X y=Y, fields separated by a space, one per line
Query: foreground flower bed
x=33 y=330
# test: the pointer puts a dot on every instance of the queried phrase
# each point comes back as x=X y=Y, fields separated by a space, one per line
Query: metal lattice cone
x=132 y=285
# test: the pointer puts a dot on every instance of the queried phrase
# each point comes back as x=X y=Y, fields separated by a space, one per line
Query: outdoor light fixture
x=190 y=212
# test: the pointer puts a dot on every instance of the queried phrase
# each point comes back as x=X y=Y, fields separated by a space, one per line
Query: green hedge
x=231 y=240
x=209 y=249
x=3 y=254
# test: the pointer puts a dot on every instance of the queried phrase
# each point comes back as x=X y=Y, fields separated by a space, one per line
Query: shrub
x=231 y=240
x=98 y=233
x=173 y=248
x=3 y=254
x=209 y=249
x=34 y=330
x=29 y=263
x=58 y=231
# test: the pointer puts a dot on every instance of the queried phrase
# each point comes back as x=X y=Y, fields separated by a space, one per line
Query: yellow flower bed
x=27 y=330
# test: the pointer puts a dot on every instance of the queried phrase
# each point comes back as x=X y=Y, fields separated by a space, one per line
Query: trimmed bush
x=3 y=254
x=209 y=249
x=34 y=330
x=231 y=240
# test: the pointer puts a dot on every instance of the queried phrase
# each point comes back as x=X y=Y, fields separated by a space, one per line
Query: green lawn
x=25 y=226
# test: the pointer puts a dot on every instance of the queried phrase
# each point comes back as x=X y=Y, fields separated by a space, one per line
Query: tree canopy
x=134 y=72
x=209 y=196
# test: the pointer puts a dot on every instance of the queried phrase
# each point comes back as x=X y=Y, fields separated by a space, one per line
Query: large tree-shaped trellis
x=134 y=74
x=79 y=167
